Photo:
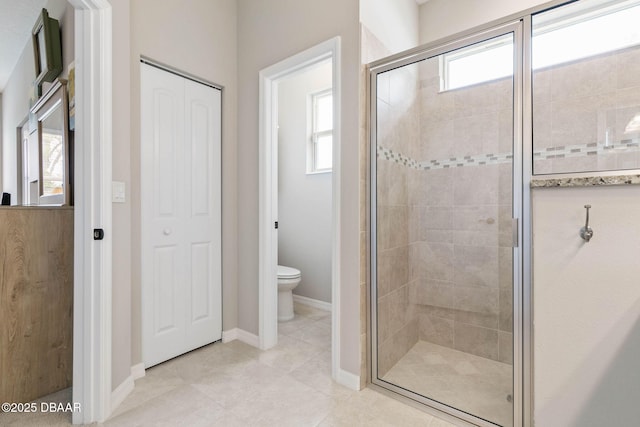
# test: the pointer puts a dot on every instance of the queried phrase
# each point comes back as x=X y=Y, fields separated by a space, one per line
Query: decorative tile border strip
x=561 y=152
x=591 y=149
x=585 y=181
x=452 y=162
x=399 y=158
x=489 y=159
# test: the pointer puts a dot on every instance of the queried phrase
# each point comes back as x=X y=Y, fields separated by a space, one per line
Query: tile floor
x=235 y=384
x=470 y=383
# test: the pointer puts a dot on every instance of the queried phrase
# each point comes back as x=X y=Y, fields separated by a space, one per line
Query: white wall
x=442 y=18
x=15 y=107
x=586 y=307
x=15 y=96
x=270 y=31
x=304 y=200
x=198 y=37
x=394 y=22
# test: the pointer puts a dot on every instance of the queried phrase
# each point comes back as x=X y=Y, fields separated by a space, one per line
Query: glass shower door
x=442 y=229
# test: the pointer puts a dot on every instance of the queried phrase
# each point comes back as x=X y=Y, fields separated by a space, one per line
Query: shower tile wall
x=444 y=215
x=445 y=191
x=398 y=129
x=581 y=110
x=460 y=252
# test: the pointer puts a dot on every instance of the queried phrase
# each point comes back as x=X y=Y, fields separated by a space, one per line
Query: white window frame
x=312 y=140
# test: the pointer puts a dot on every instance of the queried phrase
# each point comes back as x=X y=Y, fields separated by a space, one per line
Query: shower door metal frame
x=522 y=391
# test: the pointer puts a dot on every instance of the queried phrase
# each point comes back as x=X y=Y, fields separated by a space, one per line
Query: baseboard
x=137 y=371
x=348 y=380
x=121 y=392
x=249 y=338
x=315 y=303
x=230 y=335
x=241 y=335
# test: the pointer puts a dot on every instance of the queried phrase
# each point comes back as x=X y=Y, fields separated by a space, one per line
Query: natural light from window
x=555 y=41
x=479 y=63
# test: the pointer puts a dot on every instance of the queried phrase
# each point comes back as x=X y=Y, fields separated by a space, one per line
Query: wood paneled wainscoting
x=36 y=301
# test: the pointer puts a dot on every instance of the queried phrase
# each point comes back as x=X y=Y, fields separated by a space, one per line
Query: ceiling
x=17 y=18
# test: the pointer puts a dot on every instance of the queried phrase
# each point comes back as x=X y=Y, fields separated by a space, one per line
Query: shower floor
x=470 y=383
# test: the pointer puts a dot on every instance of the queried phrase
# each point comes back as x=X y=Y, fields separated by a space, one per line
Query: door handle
x=167 y=231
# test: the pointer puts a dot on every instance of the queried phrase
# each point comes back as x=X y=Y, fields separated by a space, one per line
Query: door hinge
x=276 y=225
x=515 y=230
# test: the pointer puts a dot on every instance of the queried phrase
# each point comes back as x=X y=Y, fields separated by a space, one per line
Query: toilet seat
x=285 y=272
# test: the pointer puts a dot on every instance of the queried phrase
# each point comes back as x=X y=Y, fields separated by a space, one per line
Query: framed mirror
x=47 y=49
x=52 y=113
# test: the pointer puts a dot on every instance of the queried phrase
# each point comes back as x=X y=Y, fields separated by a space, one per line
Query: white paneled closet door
x=180 y=213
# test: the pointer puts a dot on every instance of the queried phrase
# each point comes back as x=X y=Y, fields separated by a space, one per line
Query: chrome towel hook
x=586 y=232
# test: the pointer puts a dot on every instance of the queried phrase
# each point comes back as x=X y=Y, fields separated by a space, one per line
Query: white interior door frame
x=268 y=139
x=92 y=194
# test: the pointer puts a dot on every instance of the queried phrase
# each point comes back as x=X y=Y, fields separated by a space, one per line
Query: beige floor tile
x=310 y=312
x=157 y=381
x=41 y=419
x=284 y=402
x=316 y=373
x=184 y=405
x=292 y=326
x=234 y=385
x=369 y=408
x=289 y=354
x=314 y=334
x=228 y=388
x=326 y=319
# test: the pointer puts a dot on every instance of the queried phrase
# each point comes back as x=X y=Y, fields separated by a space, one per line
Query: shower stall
x=458 y=129
x=445 y=186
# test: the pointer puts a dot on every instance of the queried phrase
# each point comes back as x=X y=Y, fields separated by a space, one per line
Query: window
x=483 y=62
x=320 y=146
x=575 y=32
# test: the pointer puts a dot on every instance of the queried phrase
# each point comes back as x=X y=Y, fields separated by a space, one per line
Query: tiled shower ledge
x=586 y=181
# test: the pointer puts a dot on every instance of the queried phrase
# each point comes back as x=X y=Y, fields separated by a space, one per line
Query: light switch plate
x=118 y=192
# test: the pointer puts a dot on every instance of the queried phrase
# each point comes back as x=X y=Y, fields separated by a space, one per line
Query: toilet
x=288 y=279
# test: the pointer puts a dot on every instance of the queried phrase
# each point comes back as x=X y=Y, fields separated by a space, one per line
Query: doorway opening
x=92 y=166
x=304 y=172
x=312 y=163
